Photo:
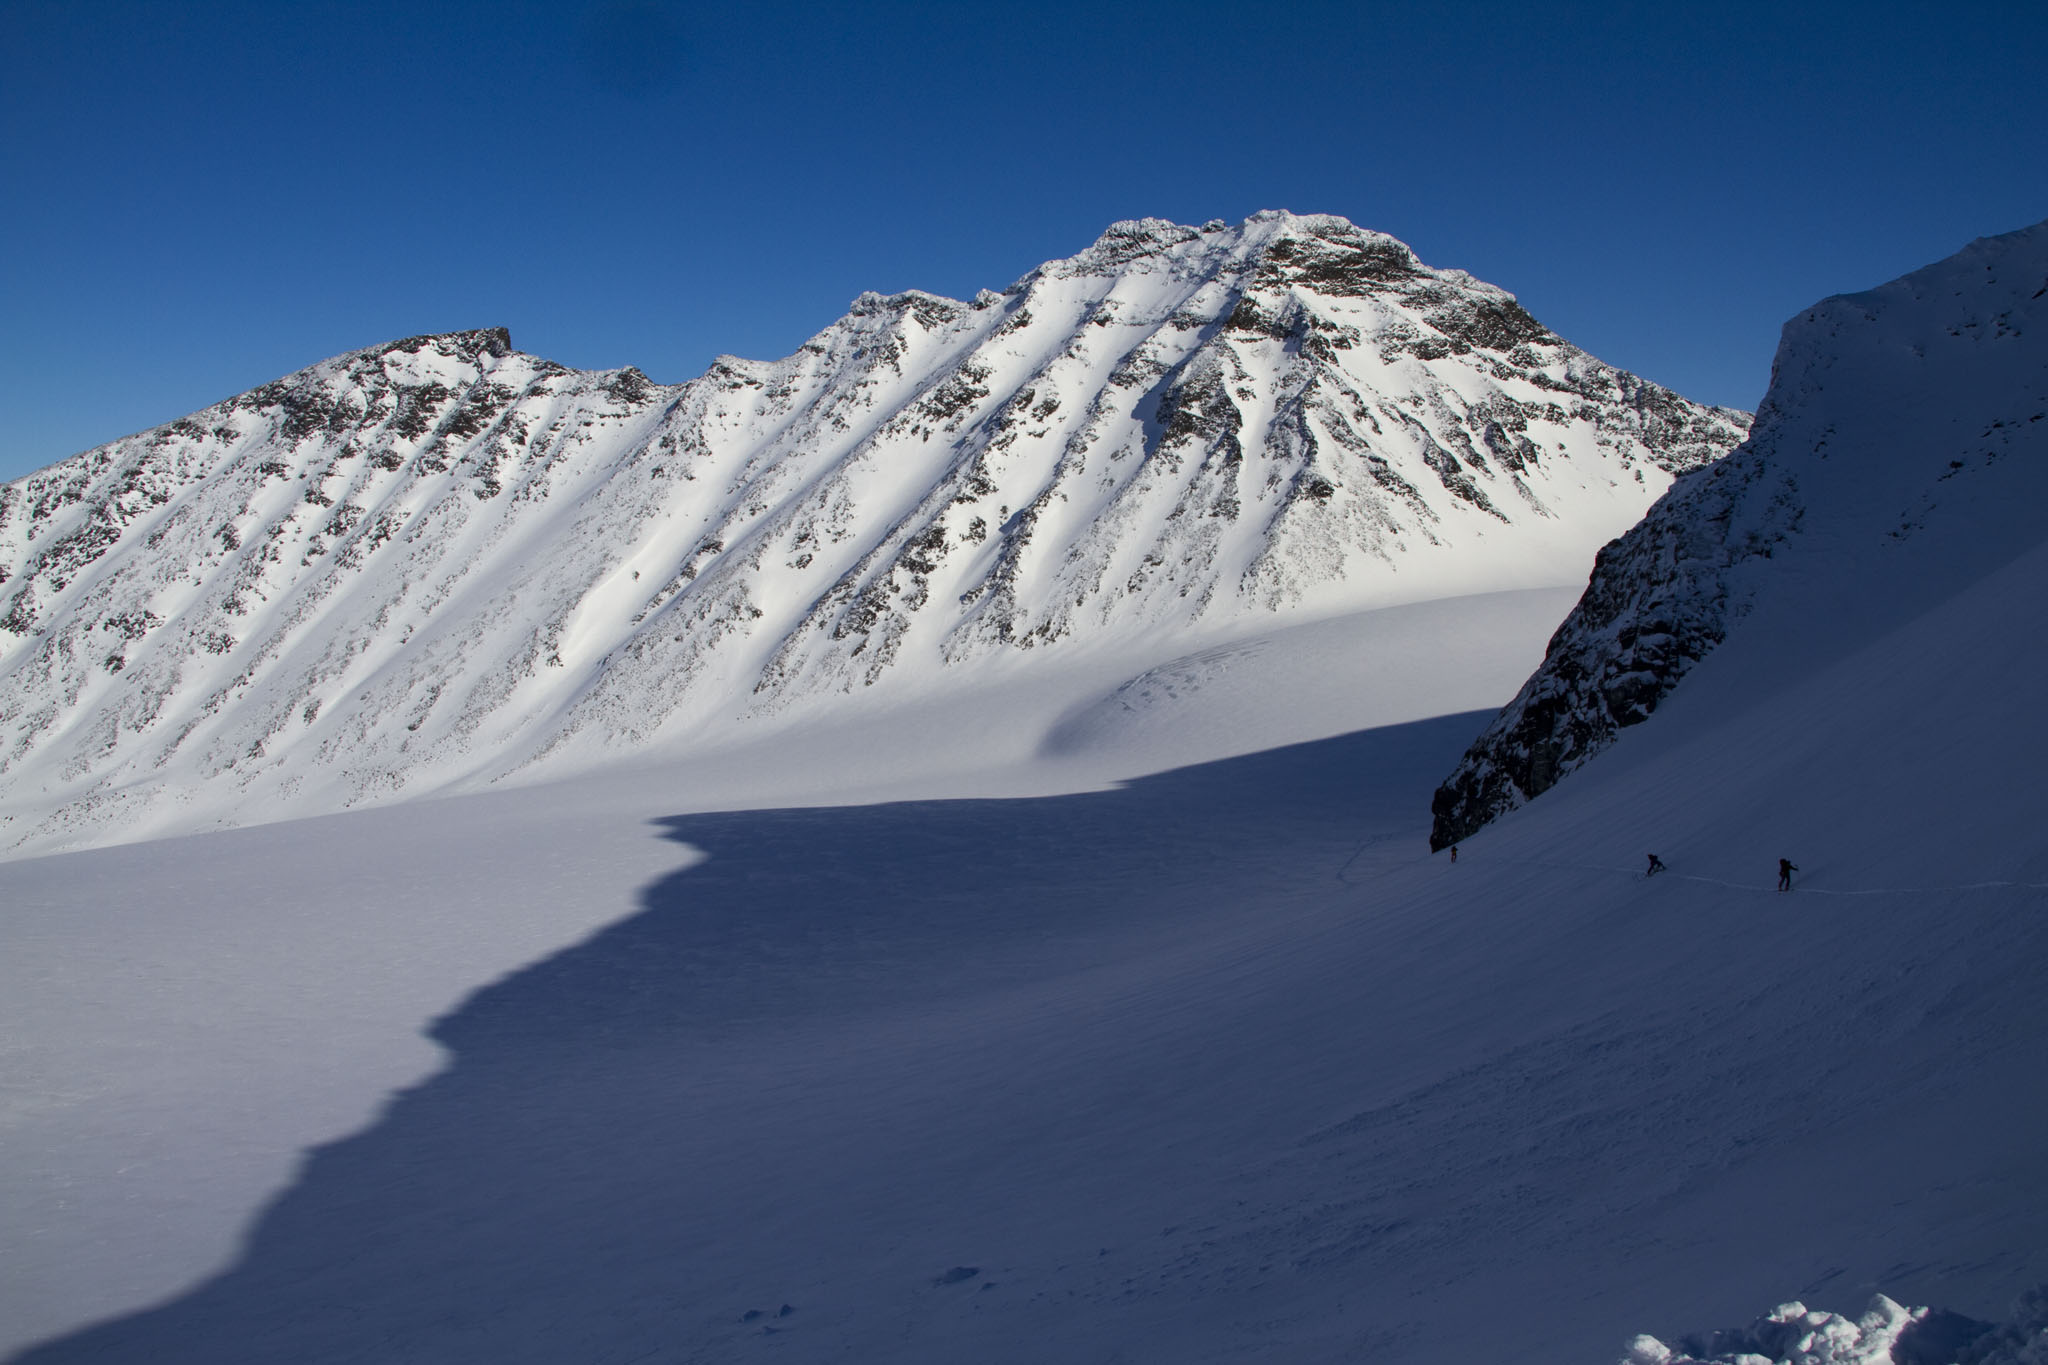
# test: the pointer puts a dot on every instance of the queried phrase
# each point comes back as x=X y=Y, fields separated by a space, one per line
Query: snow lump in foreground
x=1887 y=1333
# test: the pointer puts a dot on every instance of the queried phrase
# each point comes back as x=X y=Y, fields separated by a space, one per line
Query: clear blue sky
x=202 y=197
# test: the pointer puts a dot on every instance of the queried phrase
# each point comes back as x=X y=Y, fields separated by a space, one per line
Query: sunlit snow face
x=444 y=561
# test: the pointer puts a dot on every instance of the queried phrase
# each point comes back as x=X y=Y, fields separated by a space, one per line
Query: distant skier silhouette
x=1656 y=866
x=1785 y=871
x=1454 y=853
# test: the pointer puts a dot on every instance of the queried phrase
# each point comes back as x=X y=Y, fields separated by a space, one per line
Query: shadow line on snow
x=549 y=1194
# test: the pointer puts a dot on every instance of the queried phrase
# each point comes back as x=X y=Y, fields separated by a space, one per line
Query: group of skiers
x=1786 y=867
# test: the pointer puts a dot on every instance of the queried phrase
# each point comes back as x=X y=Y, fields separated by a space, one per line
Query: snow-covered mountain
x=1217 y=1065
x=1900 y=456
x=443 y=561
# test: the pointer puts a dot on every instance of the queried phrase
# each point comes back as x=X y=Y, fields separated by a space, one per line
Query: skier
x=1656 y=866
x=1785 y=871
x=1454 y=853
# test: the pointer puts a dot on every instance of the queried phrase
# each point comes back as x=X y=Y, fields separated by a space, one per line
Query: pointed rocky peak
x=1332 y=258
x=929 y=311
x=738 y=367
x=1330 y=255
x=1126 y=244
x=440 y=558
x=1354 y=263
x=410 y=382
x=485 y=342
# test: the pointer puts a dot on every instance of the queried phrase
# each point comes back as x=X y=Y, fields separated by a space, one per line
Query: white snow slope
x=1896 y=460
x=423 y=567
x=1220 y=1064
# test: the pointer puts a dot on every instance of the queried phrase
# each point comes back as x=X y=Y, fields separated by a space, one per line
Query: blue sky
x=199 y=198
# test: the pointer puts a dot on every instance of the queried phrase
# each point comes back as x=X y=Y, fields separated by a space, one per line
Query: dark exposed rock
x=417 y=409
x=629 y=386
x=1248 y=318
x=1199 y=408
x=1491 y=324
x=1659 y=600
x=1354 y=264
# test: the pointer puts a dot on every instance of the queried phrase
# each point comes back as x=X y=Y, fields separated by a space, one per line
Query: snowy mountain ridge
x=1905 y=429
x=443 y=561
x=1217 y=1064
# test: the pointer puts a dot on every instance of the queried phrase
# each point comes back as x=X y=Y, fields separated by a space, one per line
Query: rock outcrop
x=1902 y=449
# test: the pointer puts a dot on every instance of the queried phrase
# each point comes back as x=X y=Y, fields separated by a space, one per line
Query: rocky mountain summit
x=1893 y=462
x=443 y=560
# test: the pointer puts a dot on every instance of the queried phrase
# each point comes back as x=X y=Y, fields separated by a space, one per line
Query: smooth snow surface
x=180 y=1021
x=1217 y=1065
x=777 y=1053
x=185 y=1016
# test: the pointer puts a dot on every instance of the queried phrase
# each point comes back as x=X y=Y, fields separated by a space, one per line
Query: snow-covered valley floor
x=1215 y=1064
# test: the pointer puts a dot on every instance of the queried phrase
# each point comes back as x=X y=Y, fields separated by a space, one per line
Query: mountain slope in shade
x=442 y=561
x=1899 y=457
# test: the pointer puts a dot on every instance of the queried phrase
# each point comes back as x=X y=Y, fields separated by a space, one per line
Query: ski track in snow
x=1799 y=888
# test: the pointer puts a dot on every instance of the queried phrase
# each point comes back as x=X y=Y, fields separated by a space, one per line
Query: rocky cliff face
x=1894 y=459
x=442 y=558
x=1661 y=597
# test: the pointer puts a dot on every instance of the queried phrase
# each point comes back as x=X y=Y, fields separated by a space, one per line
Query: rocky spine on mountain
x=1658 y=601
x=1888 y=413
x=442 y=559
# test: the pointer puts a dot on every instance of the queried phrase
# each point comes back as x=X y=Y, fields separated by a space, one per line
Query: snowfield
x=252 y=993
x=1120 y=1011
x=441 y=564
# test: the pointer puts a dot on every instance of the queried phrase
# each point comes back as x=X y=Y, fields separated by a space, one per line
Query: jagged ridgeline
x=442 y=558
x=1899 y=456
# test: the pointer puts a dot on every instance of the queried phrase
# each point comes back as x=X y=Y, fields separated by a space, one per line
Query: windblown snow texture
x=1904 y=430
x=441 y=560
